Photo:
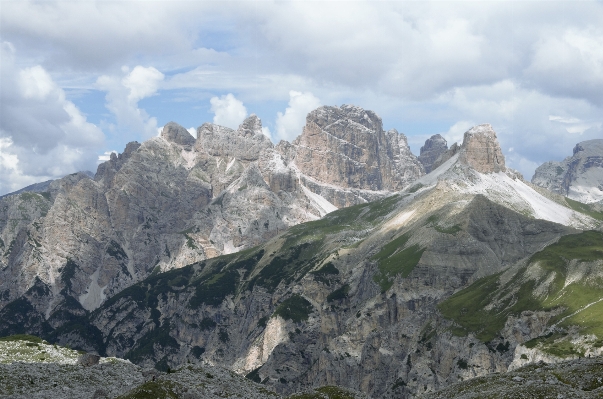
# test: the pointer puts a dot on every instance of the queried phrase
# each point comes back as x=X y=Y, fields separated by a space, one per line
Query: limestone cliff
x=579 y=177
x=434 y=146
x=367 y=297
x=175 y=200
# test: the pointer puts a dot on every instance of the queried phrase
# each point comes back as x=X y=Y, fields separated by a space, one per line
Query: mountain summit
x=579 y=177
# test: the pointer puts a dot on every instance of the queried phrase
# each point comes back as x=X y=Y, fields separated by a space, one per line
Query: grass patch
x=295 y=308
x=393 y=261
x=338 y=294
x=115 y=250
x=468 y=307
x=584 y=208
x=22 y=337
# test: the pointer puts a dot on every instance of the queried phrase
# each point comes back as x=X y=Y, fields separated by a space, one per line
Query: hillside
x=356 y=299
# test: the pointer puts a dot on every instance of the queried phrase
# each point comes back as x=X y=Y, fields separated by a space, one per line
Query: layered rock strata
x=175 y=200
x=579 y=177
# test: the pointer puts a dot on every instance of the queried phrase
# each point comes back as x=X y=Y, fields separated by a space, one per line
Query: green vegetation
x=584 y=208
x=22 y=337
x=483 y=307
x=325 y=273
x=68 y=272
x=415 y=188
x=207 y=324
x=338 y=294
x=163 y=389
x=295 y=308
x=328 y=392
x=223 y=280
x=254 y=375
x=327 y=269
x=157 y=337
x=392 y=260
x=290 y=266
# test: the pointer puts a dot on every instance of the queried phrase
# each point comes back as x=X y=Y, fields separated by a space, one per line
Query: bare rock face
x=434 y=146
x=245 y=143
x=347 y=147
x=481 y=150
x=175 y=200
x=579 y=177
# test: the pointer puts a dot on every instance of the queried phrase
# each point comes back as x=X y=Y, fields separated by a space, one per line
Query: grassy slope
x=551 y=271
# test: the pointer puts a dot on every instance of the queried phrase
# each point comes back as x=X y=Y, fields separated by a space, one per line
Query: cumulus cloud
x=42 y=134
x=106 y=156
x=123 y=96
x=512 y=64
x=228 y=111
x=289 y=125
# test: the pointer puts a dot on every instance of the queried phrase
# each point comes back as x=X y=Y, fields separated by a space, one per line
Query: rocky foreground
x=33 y=368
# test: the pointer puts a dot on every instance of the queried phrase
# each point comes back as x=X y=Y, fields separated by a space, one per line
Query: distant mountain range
x=331 y=260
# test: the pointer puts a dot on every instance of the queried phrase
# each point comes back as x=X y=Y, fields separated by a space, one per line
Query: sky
x=80 y=79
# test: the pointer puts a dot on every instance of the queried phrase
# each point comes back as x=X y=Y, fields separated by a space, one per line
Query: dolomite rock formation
x=434 y=146
x=347 y=147
x=481 y=150
x=350 y=300
x=579 y=177
x=175 y=200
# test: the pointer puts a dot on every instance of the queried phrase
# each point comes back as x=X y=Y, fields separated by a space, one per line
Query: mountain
x=175 y=199
x=579 y=177
x=434 y=147
x=373 y=297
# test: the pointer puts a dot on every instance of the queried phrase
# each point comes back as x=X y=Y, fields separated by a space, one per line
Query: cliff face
x=175 y=200
x=434 y=146
x=353 y=299
x=346 y=147
x=579 y=177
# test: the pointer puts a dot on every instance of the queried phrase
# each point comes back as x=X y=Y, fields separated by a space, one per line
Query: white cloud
x=42 y=134
x=106 y=156
x=289 y=125
x=456 y=132
x=266 y=131
x=142 y=82
x=228 y=111
x=574 y=125
x=123 y=96
x=192 y=131
x=36 y=83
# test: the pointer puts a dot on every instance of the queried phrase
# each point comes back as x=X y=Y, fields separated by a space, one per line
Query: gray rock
x=579 y=177
x=434 y=146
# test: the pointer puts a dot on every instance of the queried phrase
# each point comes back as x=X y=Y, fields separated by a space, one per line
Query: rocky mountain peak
x=579 y=177
x=434 y=146
x=481 y=150
x=252 y=125
x=245 y=143
x=175 y=133
x=346 y=146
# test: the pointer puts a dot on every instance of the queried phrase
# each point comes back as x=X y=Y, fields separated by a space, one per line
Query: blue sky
x=81 y=79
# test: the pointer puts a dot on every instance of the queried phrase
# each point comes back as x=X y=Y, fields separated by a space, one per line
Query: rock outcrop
x=434 y=147
x=579 y=177
x=481 y=150
x=347 y=147
x=175 y=200
x=353 y=299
